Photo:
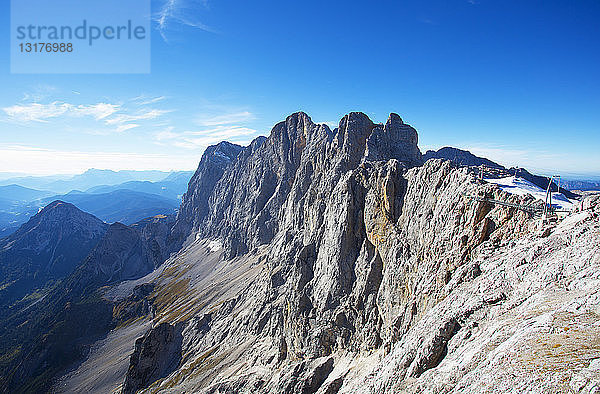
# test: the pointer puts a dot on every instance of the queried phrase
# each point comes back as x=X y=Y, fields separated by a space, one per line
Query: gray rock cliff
x=336 y=261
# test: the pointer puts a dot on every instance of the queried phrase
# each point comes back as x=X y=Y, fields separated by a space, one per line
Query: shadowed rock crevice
x=156 y=354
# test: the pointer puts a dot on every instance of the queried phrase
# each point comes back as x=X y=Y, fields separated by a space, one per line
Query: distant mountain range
x=90 y=178
x=16 y=193
x=50 y=270
x=95 y=192
x=168 y=189
x=583 y=185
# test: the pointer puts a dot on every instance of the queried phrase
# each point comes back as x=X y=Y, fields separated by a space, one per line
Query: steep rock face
x=194 y=206
x=359 y=245
x=329 y=261
x=299 y=158
x=156 y=354
x=126 y=252
x=394 y=140
x=48 y=247
x=155 y=232
x=374 y=270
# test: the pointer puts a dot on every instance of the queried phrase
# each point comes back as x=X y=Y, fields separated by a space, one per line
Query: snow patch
x=221 y=155
x=215 y=246
x=523 y=187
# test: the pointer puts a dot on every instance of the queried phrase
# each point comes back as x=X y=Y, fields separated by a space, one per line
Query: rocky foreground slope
x=336 y=261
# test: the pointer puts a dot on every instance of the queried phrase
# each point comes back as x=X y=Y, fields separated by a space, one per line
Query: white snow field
x=522 y=187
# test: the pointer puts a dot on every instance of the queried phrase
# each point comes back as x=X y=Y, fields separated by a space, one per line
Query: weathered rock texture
x=125 y=252
x=194 y=206
x=335 y=261
x=156 y=354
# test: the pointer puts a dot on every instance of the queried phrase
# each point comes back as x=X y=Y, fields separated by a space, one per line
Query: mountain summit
x=243 y=201
x=46 y=248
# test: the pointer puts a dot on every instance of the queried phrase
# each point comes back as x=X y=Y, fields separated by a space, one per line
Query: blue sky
x=516 y=81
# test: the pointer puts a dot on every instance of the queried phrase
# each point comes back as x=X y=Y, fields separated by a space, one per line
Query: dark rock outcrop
x=460 y=157
x=156 y=354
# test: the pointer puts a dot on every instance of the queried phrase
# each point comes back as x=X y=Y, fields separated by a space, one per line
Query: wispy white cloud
x=98 y=111
x=125 y=127
x=181 y=12
x=115 y=115
x=121 y=119
x=203 y=138
x=215 y=123
x=147 y=100
x=35 y=112
x=39 y=93
x=225 y=119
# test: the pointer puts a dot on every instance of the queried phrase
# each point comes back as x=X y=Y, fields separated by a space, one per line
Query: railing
x=535 y=210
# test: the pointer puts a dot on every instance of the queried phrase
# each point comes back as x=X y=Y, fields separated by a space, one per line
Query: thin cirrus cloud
x=206 y=137
x=36 y=112
x=174 y=13
x=212 y=128
x=113 y=115
x=226 y=119
x=122 y=119
x=142 y=100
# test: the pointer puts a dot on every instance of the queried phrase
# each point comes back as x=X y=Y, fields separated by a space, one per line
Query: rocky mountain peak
x=60 y=208
x=223 y=152
x=394 y=119
x=194 y=205
x=242 y=201
x=61 y=219
x=394 y=140
x=48 y=247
